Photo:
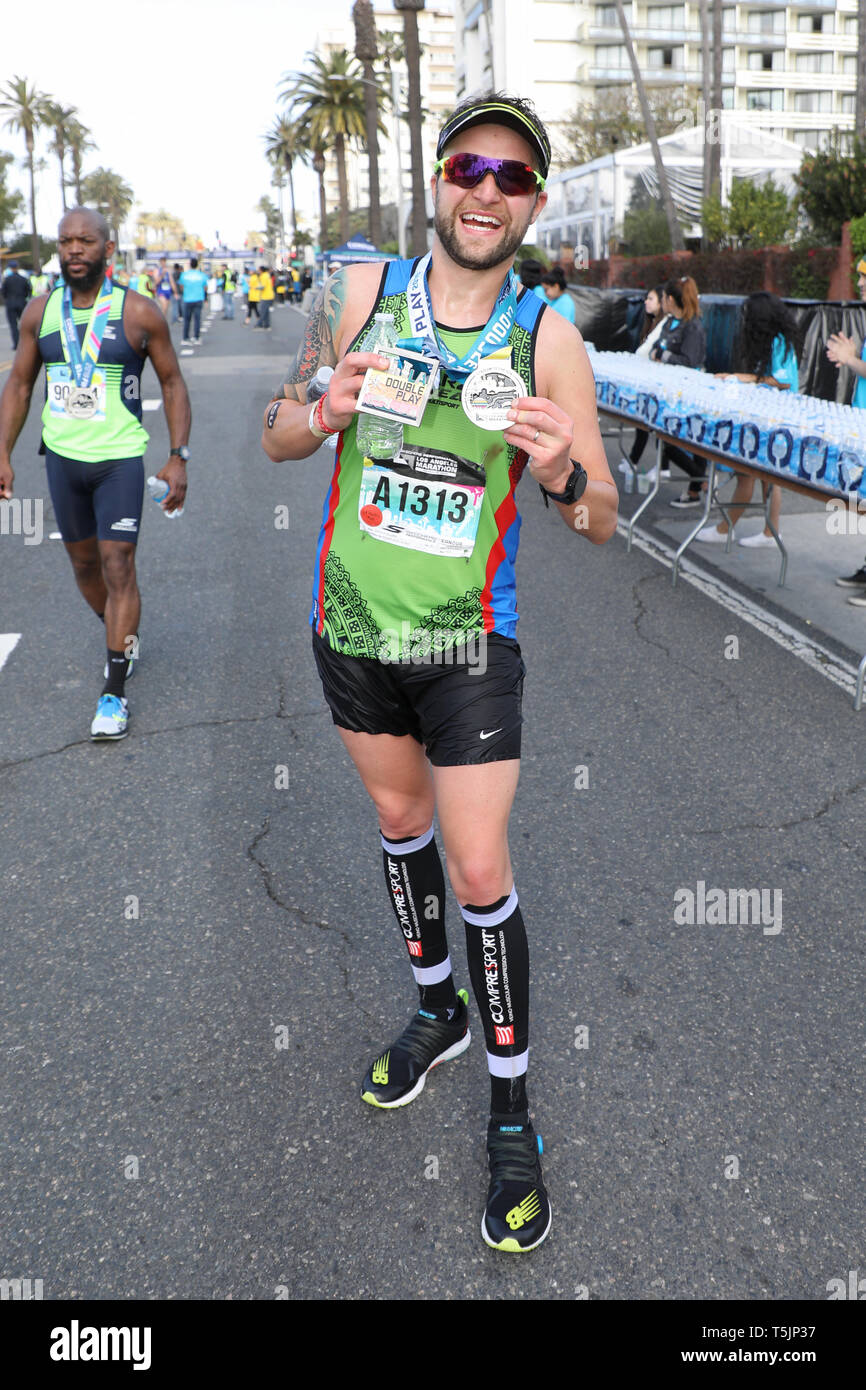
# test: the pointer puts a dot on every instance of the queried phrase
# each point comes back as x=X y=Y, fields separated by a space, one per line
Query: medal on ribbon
x=83 y=400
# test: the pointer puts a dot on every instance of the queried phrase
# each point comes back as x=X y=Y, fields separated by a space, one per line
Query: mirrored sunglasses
x=512 y=177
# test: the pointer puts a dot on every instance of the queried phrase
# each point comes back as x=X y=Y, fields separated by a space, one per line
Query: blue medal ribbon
x=494 y=335
x=84 y=366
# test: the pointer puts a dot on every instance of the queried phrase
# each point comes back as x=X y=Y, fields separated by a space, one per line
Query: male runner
x=94 y=344
x=493 y=158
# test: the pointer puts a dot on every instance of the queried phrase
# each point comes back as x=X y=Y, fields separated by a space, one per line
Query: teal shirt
x=563 y=305
x=783 y=364
x=859 y=397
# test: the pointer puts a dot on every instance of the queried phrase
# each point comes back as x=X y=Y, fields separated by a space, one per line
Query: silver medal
x=81 y=403
x=489 y=393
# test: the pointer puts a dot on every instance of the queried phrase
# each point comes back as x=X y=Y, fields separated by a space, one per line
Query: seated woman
x=682 y=342
x=768 y=345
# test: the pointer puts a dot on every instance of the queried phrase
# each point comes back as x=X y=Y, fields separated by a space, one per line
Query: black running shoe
x=857 y=580
x=398 y=1076
x=518 y=1215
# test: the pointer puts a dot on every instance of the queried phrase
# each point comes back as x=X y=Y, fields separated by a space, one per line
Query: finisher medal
x=490 y=392
x=81 y=403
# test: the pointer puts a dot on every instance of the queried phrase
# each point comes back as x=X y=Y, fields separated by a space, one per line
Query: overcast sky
x=177 y=94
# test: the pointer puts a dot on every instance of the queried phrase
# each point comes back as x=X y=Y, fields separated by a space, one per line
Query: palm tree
x=329 y=102
x=58 y=118
x=409 y=10
x=79 y=144
x=108 y=192
x=283 y=145
x=366 y=52
x=649 y=121
x=26 y=107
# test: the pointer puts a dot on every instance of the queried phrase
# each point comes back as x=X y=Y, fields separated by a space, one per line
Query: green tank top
x=382 y=600
x=116 y=432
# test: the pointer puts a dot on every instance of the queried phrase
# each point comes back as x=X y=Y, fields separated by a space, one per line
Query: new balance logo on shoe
x=379 y=1074
x=525 y=1211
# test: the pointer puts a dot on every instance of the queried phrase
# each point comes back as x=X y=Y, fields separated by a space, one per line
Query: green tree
x=26 y=112
x=645 y=228
x=284 y=146
x=832 y=188
x=11 y=201
x=327 y=102
x=57 y=117
x=758 y=214
x=273 y=222
x=106 y=190
x=79 y=144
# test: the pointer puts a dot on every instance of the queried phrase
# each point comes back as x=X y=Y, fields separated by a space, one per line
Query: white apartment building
x=789 y=68
x=436 y=36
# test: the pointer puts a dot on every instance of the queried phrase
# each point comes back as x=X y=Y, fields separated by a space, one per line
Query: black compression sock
x=498 y=958
x=416 y=887
x=117 y=665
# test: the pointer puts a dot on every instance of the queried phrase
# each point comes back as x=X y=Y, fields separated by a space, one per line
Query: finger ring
x=535 y=436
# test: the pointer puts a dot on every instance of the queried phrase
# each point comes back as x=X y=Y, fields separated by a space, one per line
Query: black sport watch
x=183 y=452
x=573 y=489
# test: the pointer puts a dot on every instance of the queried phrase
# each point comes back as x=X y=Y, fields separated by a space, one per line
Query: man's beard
x=482 y=260
x=84 y=280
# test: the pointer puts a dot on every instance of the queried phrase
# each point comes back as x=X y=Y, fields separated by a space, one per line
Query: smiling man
x=93 y=339
x=436 y=554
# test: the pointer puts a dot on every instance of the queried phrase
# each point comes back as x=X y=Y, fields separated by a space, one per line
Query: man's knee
x=403 y=818
x=118 y=566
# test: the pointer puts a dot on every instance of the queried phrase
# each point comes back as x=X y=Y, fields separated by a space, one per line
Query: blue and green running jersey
x=116 y=431
x=451 y=482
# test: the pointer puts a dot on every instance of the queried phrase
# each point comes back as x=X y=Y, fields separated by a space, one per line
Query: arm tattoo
x=318 y=346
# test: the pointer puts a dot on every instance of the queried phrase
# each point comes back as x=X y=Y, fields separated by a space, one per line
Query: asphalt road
x=180 y=1113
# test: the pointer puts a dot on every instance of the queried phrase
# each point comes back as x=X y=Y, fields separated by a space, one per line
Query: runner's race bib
x=423 y=501
x=61 y=384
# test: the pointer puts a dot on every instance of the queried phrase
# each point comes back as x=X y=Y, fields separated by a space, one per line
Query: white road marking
x=8 y=642
x=151 y=405
x=819 y=658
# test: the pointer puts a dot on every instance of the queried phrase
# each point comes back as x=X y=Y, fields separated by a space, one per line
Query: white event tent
x=587 y=203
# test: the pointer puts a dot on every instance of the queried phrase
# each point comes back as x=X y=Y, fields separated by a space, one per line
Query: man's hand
x=174 y=474
x=7 y=477
x=545 y=432
x=841 y=350
x=341 y=401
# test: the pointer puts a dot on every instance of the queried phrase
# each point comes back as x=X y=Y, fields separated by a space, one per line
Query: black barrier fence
x=611 y=320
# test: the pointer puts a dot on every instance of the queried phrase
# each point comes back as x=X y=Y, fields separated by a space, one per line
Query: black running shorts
x=464 y=711
x=96 y=499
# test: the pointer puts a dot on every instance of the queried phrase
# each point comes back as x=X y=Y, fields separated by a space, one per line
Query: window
x=848 y=103
x=849 y=63
x=610 y=55
x=764 y=62
x=815 y=23
x=605 y=14
x=766 y=22
x=666 y=17
x=727 y=98
x=728 y=63
x=769 y=100
x=813 y=101
x=814 y=62
x=850 y=24
x=664 y=57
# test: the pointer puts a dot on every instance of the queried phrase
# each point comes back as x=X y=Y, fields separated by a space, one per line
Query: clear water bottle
x=159 y=490
x=377 y=438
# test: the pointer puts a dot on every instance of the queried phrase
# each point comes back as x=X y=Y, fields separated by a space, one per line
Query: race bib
x=423 y=501
x=61 y=384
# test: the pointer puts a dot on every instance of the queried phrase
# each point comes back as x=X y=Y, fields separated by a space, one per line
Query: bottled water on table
x=377 y=438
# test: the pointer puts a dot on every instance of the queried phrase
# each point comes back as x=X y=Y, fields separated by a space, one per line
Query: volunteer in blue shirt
x=843 y=352
x=193 y=283
x=551 y=291
x=768 y=346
